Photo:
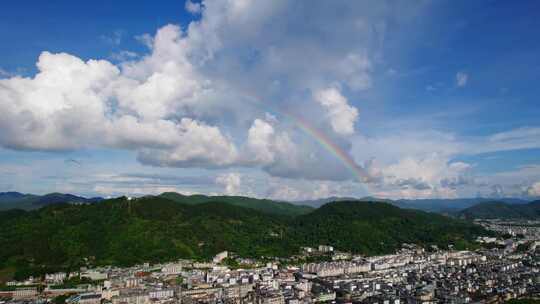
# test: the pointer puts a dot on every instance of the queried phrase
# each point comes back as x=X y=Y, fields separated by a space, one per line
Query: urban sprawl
x=505 y=268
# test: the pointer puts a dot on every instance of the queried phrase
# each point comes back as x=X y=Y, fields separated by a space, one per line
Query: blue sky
x=428 y=98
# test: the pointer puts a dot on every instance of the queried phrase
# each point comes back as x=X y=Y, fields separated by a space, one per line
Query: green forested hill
x=375 y=227
x=499 y=210
x=124 y=232
x=264 y=205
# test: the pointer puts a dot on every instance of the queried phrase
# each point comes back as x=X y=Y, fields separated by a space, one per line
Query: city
x=509 y=269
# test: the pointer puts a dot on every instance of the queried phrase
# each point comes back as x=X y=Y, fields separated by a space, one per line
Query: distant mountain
x=11 y=196
x=500 y=210
x=263 y=205
x=12 y=200
x=445 y=206
x=56 y=198
x=151 y=229
x=316 y=203
x=16 y=200
x=450 y=205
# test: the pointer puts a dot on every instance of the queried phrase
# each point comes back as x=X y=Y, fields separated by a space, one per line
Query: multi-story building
x=90 y=298
x=161 y=294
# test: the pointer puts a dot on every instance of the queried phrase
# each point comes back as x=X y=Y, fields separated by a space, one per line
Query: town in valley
x=503 y=268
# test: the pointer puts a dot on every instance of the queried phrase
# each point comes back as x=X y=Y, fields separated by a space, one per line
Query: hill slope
x=125 y=232
x=263 y=205
x=499 y=210
x=375 y=227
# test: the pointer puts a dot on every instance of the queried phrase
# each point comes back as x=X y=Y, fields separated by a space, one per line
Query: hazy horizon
x=329 y=198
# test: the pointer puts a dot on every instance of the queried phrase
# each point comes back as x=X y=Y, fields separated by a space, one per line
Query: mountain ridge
x=12 y=200
x=264 y=205
x=439 y=205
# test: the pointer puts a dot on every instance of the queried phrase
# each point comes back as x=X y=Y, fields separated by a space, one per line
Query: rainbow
x=322 y=139
x=326 y=142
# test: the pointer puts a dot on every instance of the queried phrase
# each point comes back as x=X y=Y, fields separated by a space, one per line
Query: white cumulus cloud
x=534 y=189
x=231 y=182
x=432 y=176
x=342 y=115
x=72 y=104
x=188 y=101
x=267 y=146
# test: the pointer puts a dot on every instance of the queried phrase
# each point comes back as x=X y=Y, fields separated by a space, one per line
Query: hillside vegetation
x=499 y=210
x=125 y=232
x=376 y=227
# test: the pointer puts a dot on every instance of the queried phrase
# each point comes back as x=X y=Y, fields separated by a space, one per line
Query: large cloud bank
x=199 y=97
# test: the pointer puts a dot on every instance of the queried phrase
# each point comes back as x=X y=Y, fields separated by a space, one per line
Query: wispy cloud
x=4 y=73
x=114 y=38
x=461 y=79
x=193 y=7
